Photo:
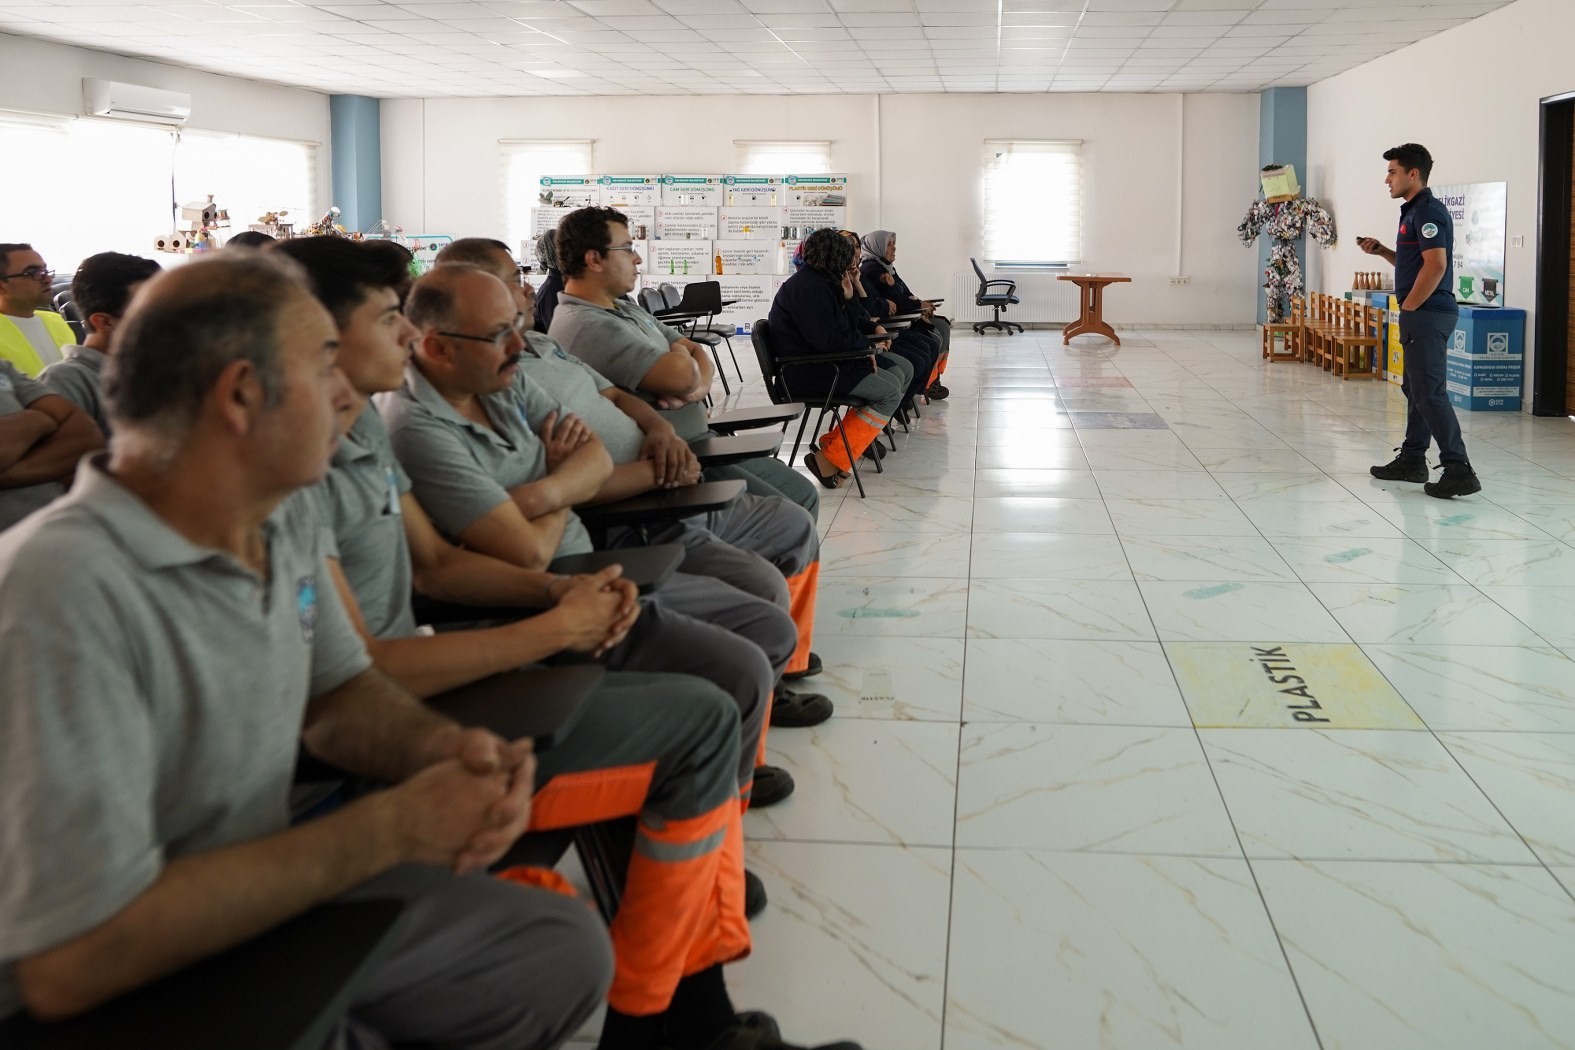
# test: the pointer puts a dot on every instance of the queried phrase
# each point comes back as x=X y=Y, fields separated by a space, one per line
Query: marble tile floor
x=1161 y=724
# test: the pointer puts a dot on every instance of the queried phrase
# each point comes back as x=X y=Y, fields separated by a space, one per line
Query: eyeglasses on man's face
x=498 y=339
x=32 y=273
x=620 y=248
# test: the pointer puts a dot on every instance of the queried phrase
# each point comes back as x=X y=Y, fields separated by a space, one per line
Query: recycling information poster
x=1478 y=210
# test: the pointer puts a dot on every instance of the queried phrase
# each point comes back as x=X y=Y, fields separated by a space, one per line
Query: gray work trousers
x=703 y=627
x=753 y=543
x=477 y=963
x=769 y=476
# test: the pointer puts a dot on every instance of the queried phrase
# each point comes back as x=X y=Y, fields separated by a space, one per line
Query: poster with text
x=679 y=259
x=642 y=221
x=1478 y=210
x=693 y=190
x=748 y=257
x=629 y=191
x=752 y=191
x=815 y=191
x=544 y=219
x=801 y=222
x=568 y=191
x=752 y=297
x=750 y=224
x=685 y=224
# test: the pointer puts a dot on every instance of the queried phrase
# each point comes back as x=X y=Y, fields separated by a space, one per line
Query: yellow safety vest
x=15 y=348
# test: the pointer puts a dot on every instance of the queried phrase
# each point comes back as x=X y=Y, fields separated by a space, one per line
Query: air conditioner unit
x=110 y=98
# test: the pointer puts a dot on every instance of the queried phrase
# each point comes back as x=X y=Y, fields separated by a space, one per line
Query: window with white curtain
x=248 y=176
x=77 y=187
x=804 y=157
x=1033 y=202
x=525 y=163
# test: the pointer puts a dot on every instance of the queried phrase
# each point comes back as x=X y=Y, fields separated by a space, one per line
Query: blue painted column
x=357 y=160
x=1282 y=139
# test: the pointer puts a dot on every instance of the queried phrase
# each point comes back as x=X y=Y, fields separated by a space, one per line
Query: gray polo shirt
x=623 y=344
x=364 y=527
x=79 y=378
x=17 y=391
x=462 y=471
x=578 y=387
x=151 y=699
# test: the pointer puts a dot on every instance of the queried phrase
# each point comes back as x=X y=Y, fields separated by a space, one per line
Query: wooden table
x=1090 y=320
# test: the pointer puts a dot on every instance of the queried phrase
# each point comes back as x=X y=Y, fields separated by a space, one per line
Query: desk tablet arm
x=755 y=418
x=722 y=451
x=661 y=505
x=283 y=990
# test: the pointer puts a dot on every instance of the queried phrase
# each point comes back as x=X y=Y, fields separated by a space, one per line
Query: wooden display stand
x=1091 y=320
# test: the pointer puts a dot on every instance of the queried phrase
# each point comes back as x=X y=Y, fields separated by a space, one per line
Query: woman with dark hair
x=882 y=279
x=547 y=294
x=810 y=317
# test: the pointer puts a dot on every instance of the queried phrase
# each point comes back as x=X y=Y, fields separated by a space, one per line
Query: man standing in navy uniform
x=1423 y=259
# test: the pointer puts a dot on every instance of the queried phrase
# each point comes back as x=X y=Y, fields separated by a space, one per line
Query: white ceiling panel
x=476 y=48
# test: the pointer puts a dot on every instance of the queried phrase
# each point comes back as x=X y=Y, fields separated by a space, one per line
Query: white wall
x=914 y=162
x=1135 y=149
x=41 y=77
x=1470 y=95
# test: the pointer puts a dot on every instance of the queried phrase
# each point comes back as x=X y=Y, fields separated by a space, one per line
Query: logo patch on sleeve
x=306 y=607
x=1430 y=229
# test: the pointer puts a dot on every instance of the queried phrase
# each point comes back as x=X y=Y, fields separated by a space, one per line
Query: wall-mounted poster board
x=1478 y=209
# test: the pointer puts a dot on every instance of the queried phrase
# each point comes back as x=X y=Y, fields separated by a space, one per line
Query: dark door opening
x=1553 y=374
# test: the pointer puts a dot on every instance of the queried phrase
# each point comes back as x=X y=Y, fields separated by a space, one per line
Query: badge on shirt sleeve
x=1430 y=230
x=306 y=607
x=393 y=490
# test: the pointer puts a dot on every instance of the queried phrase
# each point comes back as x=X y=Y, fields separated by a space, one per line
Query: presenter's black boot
x=1402 y=468
x=1458 y=480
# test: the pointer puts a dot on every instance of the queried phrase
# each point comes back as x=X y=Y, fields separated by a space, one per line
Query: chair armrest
x=896 y=326
x=755 y=418
x=729 y=302
x=1010 y=284
x=721 y=451
x=646 y=567
x=903 y=317
x=662 y=505
x=283 y=990
x=542 y=703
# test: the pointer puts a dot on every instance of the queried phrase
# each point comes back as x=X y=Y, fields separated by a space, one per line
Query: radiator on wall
x=1044 y=299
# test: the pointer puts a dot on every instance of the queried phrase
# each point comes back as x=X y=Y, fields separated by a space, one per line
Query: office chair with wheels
x=997 y=301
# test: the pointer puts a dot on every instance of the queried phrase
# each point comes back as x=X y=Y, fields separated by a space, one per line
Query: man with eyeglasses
x=30 y=334
x=498 y=465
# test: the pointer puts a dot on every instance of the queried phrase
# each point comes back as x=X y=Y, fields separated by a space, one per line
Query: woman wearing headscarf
x=547 y=294
x=881 y=277
x=810 y=317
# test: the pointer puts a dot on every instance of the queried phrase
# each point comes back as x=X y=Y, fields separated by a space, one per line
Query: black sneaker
x=791 y=709
x=937 y=392
x=772 y=785
x=814 y=668
x=754 y=894
x=1402 y=468
x=756 y=1030
x=1458 y=480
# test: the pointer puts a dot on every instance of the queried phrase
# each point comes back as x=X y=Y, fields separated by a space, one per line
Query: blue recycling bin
x=1486 y=364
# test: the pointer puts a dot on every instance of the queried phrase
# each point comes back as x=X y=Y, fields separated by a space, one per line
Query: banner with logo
x=1478 y=210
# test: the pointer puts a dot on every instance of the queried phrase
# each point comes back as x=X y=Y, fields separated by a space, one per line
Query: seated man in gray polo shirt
x=643 y=744
x=626 y=344
x=101 y=289
x=647 y=454
x=42 y=436
x=465 y=430
x=153 y=696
